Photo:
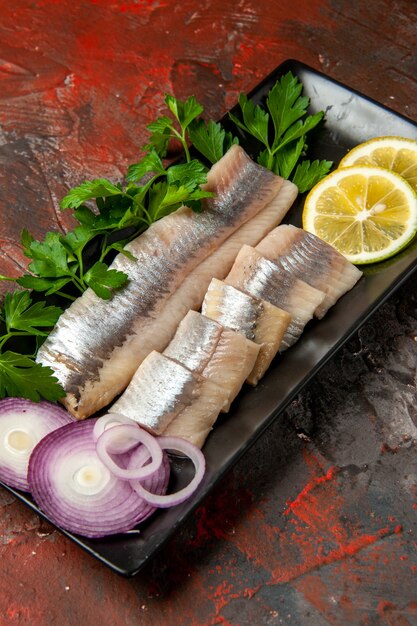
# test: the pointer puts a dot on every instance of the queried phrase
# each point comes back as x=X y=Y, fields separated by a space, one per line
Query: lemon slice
x=367 y=213
x=397 y=154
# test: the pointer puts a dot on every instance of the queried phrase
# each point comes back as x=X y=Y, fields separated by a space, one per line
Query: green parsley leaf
x=161 y=125
x=75 y=240
x=165 y=198
x=283 y=161
x=26 y=239
x=285 y=103
x=21 y=314
x=288 y=158
x=21 y=377
x=184 y=112
x=255 y=119
x=150 y=163
x=299 y=129
x=190 y=175
x=49 y=257
x=85 y=216
x=48 y=285
x=135 y=217
x=210 y=139
x=161 y=131
x=309 y=174
x=119 y=246
x=89 y=190
x=103 y=280
x=287 y=109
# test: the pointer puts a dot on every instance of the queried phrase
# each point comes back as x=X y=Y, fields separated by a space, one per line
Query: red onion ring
x=77 y=492
x=108 y=421
x=23 y=424
x=157 y=483
x=197 y=458
x=120 y=439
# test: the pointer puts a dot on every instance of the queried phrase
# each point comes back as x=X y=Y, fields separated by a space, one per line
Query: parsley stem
x=183 y=141
x=65 y=295
x=80 y=262
x=270 y=158
x=146 y=188
x=186 y=150
x=104 y=247
x=13 y=333
x=149 y=218
x=78 y=282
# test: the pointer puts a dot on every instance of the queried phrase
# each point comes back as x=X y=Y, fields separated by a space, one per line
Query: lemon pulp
x=367 y=213
x=397 y=154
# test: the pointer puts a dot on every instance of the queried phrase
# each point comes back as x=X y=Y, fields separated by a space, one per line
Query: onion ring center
x=19 y=441
x=90 y=479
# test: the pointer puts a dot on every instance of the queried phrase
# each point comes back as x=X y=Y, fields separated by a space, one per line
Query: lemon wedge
x=397 y=154
x=367 y=213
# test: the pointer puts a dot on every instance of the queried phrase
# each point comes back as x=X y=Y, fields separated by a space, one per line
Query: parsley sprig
x=20 y=375
x=282 y=128
x=58 y=262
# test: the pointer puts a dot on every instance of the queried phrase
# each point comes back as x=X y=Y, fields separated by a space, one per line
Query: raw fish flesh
x=220 y=354
x=165 y=396
x=257 y=319
x=97 y=345
x=190 y=294
x=260 y=277
x=311 y=259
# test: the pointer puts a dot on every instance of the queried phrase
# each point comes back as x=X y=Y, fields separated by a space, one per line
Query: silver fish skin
x=96 y=345
x=191 y=292
x=257 y=319
x=262 y=278
x=164 y=391
x=207 y=348
x=311 y=259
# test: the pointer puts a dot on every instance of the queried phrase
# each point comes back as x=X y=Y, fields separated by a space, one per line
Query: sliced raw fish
x=220 y=354
x=191 y=292
x=257 y=319
x=97 y=345
x=311 y=259
x=158 y=330
x=262 y=278
x=164 y=391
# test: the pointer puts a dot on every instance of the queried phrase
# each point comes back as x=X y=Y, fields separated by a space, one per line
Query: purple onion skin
x=117 y=511
x=53 y=417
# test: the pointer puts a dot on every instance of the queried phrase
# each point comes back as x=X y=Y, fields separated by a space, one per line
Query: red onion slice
x=79 y=493
x=122 y=438
x=108 y=421
x=194 y=454
x=23 y=424
x=157 y=483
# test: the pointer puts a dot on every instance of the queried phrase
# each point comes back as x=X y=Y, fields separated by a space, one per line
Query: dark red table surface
x=317 y=523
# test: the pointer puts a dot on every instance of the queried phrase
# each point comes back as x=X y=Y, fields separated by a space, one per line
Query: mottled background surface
x=317 y=523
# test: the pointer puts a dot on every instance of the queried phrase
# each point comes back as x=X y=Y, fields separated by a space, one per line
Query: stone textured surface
x=317 y=523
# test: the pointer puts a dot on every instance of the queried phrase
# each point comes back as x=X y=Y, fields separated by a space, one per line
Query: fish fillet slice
x=262 y=278
x=220 y=354
x=94 y=335
x=163 y=391
x=159 y=330
x=257 y=319
x=311 y=259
